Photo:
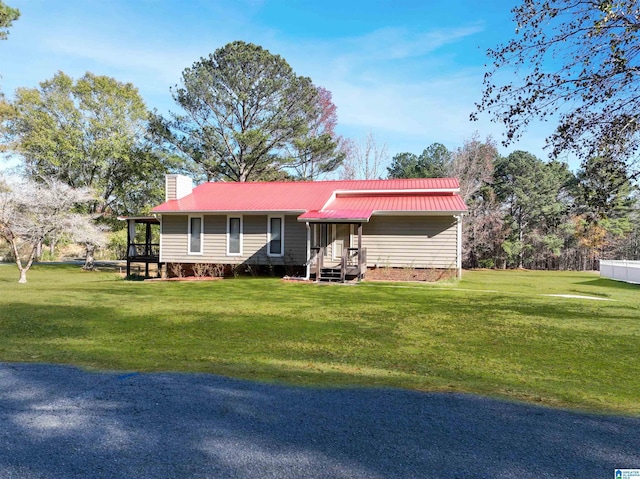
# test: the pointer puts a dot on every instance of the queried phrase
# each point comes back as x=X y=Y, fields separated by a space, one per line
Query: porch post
x=319 y=263
x=308 y=272
x=459 y=246
x=359 y=251
x=147 y=241
x=131 y=235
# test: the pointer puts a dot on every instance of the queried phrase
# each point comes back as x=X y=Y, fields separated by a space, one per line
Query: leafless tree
x=31 y=212
x=364 y=160
x=575 y=61
x=473 y=164
x=90 y=235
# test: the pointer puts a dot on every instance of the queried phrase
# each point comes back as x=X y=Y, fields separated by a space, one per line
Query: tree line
x=243 y=114
x=528 y=213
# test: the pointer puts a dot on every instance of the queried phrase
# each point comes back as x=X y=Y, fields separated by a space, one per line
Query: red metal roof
x=346 y=199
x=325 y=214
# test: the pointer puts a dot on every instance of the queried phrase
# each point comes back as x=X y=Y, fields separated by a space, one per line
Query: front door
x=342 y=239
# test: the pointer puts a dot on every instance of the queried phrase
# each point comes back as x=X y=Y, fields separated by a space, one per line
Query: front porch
x=337 y=254
x=351 y=266
x=142 y=248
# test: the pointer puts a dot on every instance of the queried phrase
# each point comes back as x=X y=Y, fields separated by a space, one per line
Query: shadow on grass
x=610 y=283
x=423 y=338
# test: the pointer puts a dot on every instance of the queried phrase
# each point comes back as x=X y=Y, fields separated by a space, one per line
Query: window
x=324 y=237
x=195 y=235
x=234 y=235
x=275 y=229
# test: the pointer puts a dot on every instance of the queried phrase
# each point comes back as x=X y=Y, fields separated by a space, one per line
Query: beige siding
x=173 y=238
x=391 y=241
x=295 y=241
x=410 y=241
x=170 y=188
x=177 y=186
x=254 y=241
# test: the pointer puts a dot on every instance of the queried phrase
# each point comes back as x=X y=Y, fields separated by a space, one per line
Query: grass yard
x=493 y=333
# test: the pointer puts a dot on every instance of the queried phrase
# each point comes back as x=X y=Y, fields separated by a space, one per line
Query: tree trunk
x=521 y=252
x=89 y=261
x=23 y=269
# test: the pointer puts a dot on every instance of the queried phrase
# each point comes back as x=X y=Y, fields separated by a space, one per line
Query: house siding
x=177 y=186
x=411 y=241
x=170 y=188
x=254 y=240
x=174 y=238
x=295 y=241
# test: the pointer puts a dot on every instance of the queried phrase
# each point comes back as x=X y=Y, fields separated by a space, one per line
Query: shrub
x=117 y=244
x=217 y=270
x=486 y=263
x=176 y=270
x=200 y=270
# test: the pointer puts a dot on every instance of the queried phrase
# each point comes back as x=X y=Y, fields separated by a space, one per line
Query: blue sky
x=407 y=71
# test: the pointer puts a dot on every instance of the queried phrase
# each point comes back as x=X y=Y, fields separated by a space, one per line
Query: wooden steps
x=330 y=275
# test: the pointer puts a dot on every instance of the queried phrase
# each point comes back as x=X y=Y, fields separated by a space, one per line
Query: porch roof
x=336 y=216
x=141 y=219
x=359 y=206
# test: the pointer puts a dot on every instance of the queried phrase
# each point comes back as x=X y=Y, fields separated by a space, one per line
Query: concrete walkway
x=61 y=422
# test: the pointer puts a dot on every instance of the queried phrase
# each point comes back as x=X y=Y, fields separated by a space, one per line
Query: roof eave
x=419 y=212
x=333 y=220
x=227 y=212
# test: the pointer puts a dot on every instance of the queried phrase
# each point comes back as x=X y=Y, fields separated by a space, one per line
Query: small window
x=195 y=235
x=276 y=236
x=234 y=235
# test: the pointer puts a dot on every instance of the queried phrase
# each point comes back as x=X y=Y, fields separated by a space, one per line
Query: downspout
x=459 y=246
x=308 y=272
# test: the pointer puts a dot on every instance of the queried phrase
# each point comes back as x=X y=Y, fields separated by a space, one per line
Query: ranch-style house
x=329 y=230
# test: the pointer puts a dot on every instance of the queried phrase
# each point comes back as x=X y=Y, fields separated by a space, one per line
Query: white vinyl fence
x=621 y=270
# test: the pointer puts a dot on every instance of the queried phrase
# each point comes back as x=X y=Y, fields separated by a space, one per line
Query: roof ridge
x=282 y=182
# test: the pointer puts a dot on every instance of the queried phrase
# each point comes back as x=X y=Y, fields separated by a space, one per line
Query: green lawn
x=493 y=333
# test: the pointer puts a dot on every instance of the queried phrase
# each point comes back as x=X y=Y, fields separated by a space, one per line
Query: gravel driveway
x=61 y=422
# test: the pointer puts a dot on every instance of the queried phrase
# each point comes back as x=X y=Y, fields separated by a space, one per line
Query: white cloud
x=409 y=87
x=158 y=65
x=405 y=88
x=400 y=43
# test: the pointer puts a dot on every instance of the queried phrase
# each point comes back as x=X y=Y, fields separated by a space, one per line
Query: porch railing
x=352 y=262
x=316 y=261
x=355 y=258
x=143 y=250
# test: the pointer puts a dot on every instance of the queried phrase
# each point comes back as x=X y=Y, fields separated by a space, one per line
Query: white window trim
x=269 y=253
x=241 y=234
x=201 y=252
